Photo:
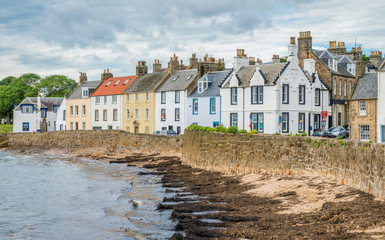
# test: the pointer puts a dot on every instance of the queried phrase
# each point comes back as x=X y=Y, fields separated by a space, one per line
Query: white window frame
x=115 y=114
x=340 y=87
x=105 y=99
x=285 y=93
x=114 y=99
x=212 y=105
x=177 y=114
x=177 y=96
x=163 y=97
x=136 y=97
x=362 y=107
x=301 y=94
x=317 y=97
x=335 y=86
x=147 y=114
x=163 y=114
x=234 y=119
x=84 y=110
x=195 y=106
x=105 y=113
x=136 y=114
x=128 y=97
x=96 y=115
x=364 y=133
x=234 y=95
x=301 y=125
x=97 y=100
x=147 y=97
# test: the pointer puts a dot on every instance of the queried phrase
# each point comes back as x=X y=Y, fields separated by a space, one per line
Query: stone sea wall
x=353 y=163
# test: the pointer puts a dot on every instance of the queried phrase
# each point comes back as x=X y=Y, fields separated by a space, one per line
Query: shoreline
x=210 y=205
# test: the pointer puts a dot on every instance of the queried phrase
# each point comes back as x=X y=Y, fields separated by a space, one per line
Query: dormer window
x=117 y=82
x=85 y=93
x=108 y=83
x=202 y=85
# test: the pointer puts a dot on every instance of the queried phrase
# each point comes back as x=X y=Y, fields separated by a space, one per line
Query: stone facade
x=357 y=120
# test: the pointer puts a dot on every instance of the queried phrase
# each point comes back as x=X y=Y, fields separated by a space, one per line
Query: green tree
x=56 y=86
x=365 y=58
x=7 y=81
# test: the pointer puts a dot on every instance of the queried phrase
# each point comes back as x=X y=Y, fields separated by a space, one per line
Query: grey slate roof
x=77 y=93
x=213 y=89
x=46 y=102
x=147 y=82
x=179 y=80
x=324 y=55
x=366 y=87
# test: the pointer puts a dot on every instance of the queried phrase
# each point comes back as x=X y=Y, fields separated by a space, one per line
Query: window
x=128 y=114
x=147 y=129
x=85 y=93
x=200 y=87
x=96 y=115
x=339 y=118
x=340 y=87
x=84 y=110
x=97 y=100
x=147 y=98
x=382 y=133
x=147 y=114
x=234 y=119
x=257 y=121
x=234 y=97
x=177 y=114
x=71 y=126
x=136 y=97
x=163 y=114
x=64 y=115
x=114 y=99
x=317 y=122
x=301 y=94
x=175 y=78
x=55 y=108
x=105 y=99
x=285 y=122
x=77 y=110
x=301 y=122
x=212 y=105
x=72 y=110
x=117 y=82
x=163 y=97
x=125 y=82
x=285 y=93
x=27 y=108
x=84 y=126
x=43 y=112
x=317 y=96
x=350 y=87
x=189 y=77
x=25 y=126
x=108 y=83
x=105 y=115
x=362 y=108
x=345 y=87
x=128 y=97
x=215 y=124
x=136 y=114
x=195 y=106
x=364 y=133
x=115 y=114
x=335 y=86
x=257 y=95
x=177 y=96
x=178 y=130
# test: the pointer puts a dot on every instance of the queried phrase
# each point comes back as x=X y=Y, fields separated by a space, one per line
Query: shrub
x=370 y=142
x=221 y=128
x=343 y=143
x=254 y=131
x=289 y=134
x=243 y=131
x=303 y=134
x=276 y=133
x=210 y=129
x=297 y=134
x=339 y=137
x=232 y=129
x=330 y=145
x=308 y=140
x=176 y=139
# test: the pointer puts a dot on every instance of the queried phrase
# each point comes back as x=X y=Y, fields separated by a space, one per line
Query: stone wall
x=3 y=140
x=108 y=141
x=356 y=164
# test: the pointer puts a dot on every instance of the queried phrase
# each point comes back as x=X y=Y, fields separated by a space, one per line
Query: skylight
x=126 y=81
x=175 y=78
x=117 y=82
x=189 y=77
x=108 y=83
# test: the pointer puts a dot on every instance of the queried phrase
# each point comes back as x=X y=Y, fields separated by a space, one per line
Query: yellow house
x=78 y=105
x=139 y=103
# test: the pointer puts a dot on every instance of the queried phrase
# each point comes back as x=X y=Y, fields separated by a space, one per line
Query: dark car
x=166 y=133
x=334 y=132
x=319 y=134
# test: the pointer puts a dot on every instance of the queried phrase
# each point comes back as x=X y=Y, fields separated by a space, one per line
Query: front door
x=382 y=133
x=136 y=129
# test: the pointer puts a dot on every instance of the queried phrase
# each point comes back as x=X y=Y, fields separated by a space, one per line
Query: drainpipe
x=243 y=106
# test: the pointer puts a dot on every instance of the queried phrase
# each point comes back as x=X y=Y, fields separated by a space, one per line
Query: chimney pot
x=108 y=70
x=292 y=40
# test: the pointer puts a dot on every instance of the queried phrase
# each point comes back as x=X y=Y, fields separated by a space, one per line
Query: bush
x=254 y=131
x=339 y=137
x=243 y=131
x=343 y=143
x=276 y=133
x=297 y=134
x=330 y=145
x=308 y=140
x=221 y=128
x=303 y=134
x=232 y=129
x=289 y=134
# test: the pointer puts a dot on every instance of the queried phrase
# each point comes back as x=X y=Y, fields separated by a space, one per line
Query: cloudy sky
x=71 y=36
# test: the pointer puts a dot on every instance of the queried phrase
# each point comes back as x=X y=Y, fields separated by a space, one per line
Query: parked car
x=165 y=133
x=339 y=131
x=319 y=134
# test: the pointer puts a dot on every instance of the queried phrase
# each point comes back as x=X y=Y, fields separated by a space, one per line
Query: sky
x=67 y=37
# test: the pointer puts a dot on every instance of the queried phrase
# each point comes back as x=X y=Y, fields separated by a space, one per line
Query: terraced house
x=139 y=100
x=78 y=105
x=107 y=103
x=274 y=97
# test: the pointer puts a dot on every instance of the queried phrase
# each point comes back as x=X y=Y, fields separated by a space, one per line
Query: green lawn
x=6 y=128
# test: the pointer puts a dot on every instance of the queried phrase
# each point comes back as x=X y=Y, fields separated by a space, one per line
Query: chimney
x=82 y=78
x=106 y=75
x=141 y=69
x=292 y=51
x=156 y=66
x=240 y=60
x=309 y=65
x=38 y=102
x=275 y=58
x=193 y=61
x=173 y=64
x=304 y=42
x=251 y=60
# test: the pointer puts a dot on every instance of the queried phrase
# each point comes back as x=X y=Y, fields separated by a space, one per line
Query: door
x=136 y=129
x=382 y=133
x=170 y=128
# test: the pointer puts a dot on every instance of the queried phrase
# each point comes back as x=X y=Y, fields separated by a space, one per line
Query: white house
x=32 y=112
x=107 y=103
x=61 y=117
x=171 y=101
x=204 y=103
x=275 y=97
x=381 y=104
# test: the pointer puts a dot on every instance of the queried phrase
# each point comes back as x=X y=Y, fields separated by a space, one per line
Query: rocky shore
x=210 y=205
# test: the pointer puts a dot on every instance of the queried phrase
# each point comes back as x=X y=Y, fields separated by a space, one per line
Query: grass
x=6 y=128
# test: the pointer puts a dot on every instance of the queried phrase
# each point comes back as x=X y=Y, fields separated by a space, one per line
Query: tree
x=365 y=58
x=56 y=86
x=7 y=81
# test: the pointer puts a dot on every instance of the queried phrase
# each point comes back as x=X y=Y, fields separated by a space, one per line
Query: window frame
x=27 y=106
x=115 y=114
x=76 y=110
x=285 y=93
x=195 y=106
x=147 y=114
x=25 y=125
x=105 y=113
x=177 y=114
x=317 y=96
x=114 y=99
x=84 y=110
x=97 y=100
x=96 y=115
x=212 y=106
x=147 y=97
x=256 y=121
x=303 y=124
x=163 y=97
x=364 y=136
x=163 y=114
x=362 y=107
x=317 y=122
x=234 y=95
x=136 y=114
x=302 y=99
x=287 y=122
x=177 y=96
x=128 y=113
x=232 y=120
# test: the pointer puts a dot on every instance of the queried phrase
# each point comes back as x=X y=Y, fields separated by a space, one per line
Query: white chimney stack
x=309 y=65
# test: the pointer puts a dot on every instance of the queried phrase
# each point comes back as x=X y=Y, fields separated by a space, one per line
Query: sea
x=60 y=197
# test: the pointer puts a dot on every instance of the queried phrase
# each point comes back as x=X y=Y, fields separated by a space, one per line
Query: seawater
x=57 y=197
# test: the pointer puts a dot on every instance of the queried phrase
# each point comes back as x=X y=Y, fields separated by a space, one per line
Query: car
x=319 y=133
x=165 y=133
x=338 y=131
